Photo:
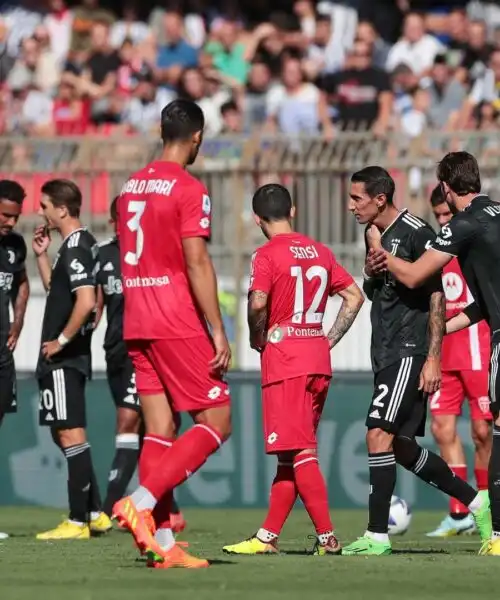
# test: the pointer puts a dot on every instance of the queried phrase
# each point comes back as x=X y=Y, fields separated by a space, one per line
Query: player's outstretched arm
x=415 y=274
x=469 y=316
x=430 y=376
x=352 y=301
x=20 y=304
x=203 y=282
x=257 y=319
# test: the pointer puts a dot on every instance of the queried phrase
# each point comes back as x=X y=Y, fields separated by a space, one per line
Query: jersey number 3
x=311 y=314
x=134 y=224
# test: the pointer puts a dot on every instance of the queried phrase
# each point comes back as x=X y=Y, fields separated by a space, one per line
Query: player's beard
x=453 y=208
x=194 y=154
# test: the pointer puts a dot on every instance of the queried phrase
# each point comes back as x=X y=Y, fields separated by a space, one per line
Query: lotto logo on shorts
x=271 y=438
x=214 y=393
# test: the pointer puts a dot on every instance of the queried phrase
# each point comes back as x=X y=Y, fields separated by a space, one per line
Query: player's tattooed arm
x=20 y=303
x=352 y=301
x=437 y=323
x=257 y=319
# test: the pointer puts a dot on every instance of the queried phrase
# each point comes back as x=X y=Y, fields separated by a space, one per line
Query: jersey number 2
x=134 y=224
x=298 y=306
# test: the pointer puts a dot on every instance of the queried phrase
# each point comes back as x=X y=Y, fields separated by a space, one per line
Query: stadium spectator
x=6 y=60
x=323 y=54
x=26 y=69
x=360 y=95
x=192 y=86
x=366 y=32
x=129 y=27
x=231 y=117
x=131 y=64
x=295 y=106
x=446 y=94
x=477 y=53
x=485 y=90
x=85 y=16
x=70 y=113
x=59 y=24
x=21 y=19
x=254 y=100
x=176 y=54
x=458 y=36
x=48 y=67
x=416 y=48
x=227 y=54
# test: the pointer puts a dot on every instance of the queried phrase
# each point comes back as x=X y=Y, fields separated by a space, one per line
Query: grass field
x=107 y=568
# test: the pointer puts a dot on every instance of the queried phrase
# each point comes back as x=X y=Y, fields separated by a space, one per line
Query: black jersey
x=12 y=258
x=473 y=235
x=75 y=266
x=399 y=315
x=109 y=277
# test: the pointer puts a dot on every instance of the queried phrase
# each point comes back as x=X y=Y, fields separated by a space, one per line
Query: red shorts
x=455 y=387
x=291 y=411
x=180 y=368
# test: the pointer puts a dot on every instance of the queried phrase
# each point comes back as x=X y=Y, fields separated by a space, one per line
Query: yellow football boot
x=251 y=546
x=101 y=524
x=67 y=530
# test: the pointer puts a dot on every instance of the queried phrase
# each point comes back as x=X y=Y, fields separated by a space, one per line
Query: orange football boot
x=175 y=558
x=138 y=524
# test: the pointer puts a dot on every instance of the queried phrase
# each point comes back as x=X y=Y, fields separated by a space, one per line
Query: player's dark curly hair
x=437 y=196
x=272 y=202
x=12 y=191
x=377 y=182
x=63 y=192
x=461 y=172
x=180 y=119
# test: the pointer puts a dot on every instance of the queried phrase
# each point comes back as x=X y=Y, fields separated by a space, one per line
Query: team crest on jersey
x=276 y=336
x=11 y=256
x=395 y=243
x=453 y=286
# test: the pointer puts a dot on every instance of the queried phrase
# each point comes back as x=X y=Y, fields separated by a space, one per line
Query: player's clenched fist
x=41 y=240
x=222 y=358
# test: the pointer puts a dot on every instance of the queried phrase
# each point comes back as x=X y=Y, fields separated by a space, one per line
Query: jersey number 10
x=134 y=224
x=311 y=314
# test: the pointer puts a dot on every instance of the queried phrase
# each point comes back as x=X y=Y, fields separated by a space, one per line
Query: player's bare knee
x=217 y=418
x=378 y=440
x=127 y=421
x=481 y=433
x=71 y=437
x=444 y=431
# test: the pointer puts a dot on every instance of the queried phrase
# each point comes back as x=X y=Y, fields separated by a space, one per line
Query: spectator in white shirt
x=416 y=48
x=129 y=27
x=485 y=90
x=59 y=24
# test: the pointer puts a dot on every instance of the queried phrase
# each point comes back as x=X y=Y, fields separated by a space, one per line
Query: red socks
x=282 y=498
x=312 y=491
x=481 y=478
x=153 y=451
x=189 y=452
x=456 y=507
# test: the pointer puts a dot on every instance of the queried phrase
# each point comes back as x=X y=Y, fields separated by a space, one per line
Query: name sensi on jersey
x=163 y=187
x=304 y=252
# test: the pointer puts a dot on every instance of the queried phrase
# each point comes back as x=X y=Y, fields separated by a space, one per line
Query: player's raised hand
x=374 y=237
x=376 y=262
x=41 y=240
x=430 y=376
x=222 y=359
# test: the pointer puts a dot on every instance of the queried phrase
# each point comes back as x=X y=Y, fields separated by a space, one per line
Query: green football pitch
x=107 y=567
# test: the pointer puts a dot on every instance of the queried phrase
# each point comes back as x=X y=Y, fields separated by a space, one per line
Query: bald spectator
x=416 y=49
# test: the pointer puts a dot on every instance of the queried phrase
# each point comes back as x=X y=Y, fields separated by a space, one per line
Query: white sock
x=143 y=499
x=79 y=523
x=378 y=537
x=165 y=538
x=324 y=537
x=495 y=535
x=475 y=504
x=94 y=515
x=266 y=536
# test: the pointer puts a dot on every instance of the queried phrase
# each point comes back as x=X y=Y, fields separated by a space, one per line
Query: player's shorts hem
x=150 y=391
x=194 y=407
x=391 y=428
x=445 y=412
x=488 y=417
x=291 y=448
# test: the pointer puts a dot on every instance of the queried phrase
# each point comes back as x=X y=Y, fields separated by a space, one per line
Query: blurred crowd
x=318 y=68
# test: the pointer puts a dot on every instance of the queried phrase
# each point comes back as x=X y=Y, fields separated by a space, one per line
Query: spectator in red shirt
x=71 y=114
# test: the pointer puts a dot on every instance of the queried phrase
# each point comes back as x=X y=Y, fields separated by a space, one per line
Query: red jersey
x=158 y=207
x=298 y=274
x=469 y=349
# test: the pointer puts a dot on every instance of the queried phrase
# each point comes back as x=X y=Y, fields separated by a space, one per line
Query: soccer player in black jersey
x=121 y=376
x=64 y=363
x=473 y=235
x=407 y=331
x=14 y=292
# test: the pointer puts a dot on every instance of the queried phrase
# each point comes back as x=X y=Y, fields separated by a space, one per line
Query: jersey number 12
x=311 y=314
x=134 y=224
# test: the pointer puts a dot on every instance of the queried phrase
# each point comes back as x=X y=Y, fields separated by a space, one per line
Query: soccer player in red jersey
x=465 y=358
x=170 y=293
x=292 y=278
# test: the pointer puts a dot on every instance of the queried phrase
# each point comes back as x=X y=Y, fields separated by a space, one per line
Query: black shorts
x=122 y=385
x=62 y=399
x=494 y=384
x=8 y=391
x=398 y=406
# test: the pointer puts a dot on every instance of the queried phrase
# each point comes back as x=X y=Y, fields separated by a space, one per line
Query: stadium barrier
x=33 y=471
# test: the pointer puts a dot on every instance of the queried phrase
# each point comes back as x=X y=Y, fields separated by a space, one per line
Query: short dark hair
x=63 y=192
x=228 y=106
x=437 y=196
x=113 y=209
x=180 y=119
x=12 y=191
x=461 y=172
x=377 y=181
x=272 y=202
